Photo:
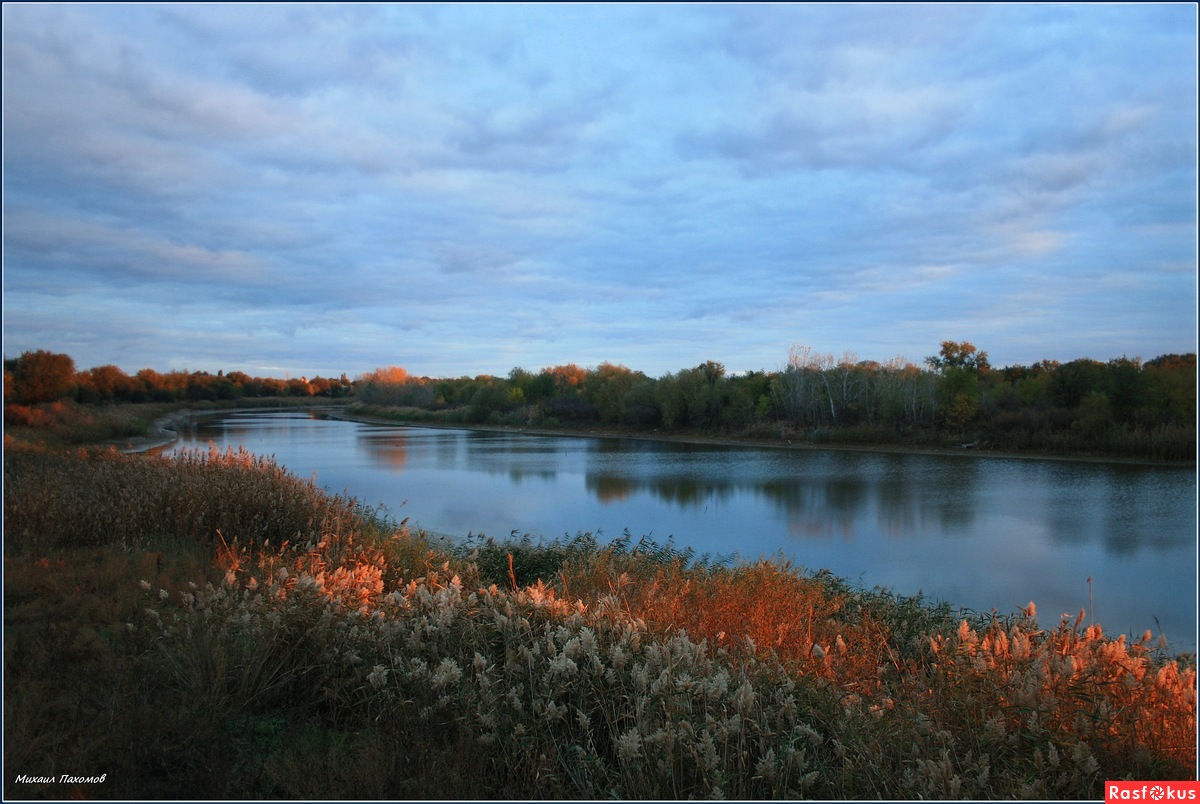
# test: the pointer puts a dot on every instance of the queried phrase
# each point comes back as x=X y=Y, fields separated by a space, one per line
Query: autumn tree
x=42 y=376
x=901 y=393
x=955 y=355
x=106 y=383
x=393 y=386
x=568 y=378
x=489 y=399
x=387 y=375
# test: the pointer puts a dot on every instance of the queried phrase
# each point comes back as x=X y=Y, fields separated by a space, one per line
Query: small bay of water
x=978 y=532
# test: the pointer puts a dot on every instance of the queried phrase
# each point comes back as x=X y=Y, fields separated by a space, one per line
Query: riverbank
x=160 y=433
x=216 y=627
x=222 y=629
x=716 y=439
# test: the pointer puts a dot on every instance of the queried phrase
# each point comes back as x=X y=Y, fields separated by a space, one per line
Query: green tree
x=640 y=407
x=1170 y=387
x=1071 y=382
x=703 y=387
x=1123 y=386
x=607 y=386
x=489 y=400
x=959 y=367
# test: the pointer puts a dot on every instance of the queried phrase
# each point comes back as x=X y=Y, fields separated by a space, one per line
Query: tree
x=567 y=379
x=607 y=386
x=389 y=375
x=961 y=356
x=42 y=376
x=1170 y=387
x=640 y=407
x=490 y=399
x=1123 y=386
x=844 y=384
x=803 y=383
x=1071 y=382
x=105 y=384
x=700 y=389
x=897 y=393
x=837 y=383
x=959 y=366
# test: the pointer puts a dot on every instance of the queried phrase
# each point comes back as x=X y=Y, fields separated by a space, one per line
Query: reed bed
x=68 y=423
x=252 y=637
x=90 y=497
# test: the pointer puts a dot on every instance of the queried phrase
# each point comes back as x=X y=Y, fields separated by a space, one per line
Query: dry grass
x=89 y=497
x=211 y=627
x=67 y=423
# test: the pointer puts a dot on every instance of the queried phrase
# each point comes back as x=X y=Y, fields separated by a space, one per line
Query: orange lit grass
x=912 y=703
x=1012 y=680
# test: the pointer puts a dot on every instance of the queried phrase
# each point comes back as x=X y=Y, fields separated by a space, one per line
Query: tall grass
x=212 y=627
x=68 y=423
x=56 y=499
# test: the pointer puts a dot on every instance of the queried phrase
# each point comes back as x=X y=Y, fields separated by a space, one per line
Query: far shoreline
x=163 y=432
x=735 y=441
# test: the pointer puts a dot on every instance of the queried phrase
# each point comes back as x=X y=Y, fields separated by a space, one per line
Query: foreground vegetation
x=210 y=626
x=65 y=423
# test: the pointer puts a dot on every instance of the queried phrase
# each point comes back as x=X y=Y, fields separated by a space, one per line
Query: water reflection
x=389 y=450
x=817 y=494
x=610 y=488
x=979 y=532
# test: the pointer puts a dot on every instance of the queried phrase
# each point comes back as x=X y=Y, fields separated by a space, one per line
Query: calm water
x=978 y=532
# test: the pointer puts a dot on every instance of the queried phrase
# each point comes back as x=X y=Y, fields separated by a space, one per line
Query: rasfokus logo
x=1151 y=791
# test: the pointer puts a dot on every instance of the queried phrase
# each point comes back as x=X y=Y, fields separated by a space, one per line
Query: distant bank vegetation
x=1126 y=407
x=1122 y=408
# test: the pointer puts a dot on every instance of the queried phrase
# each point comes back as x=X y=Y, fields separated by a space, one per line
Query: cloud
x=456 y=187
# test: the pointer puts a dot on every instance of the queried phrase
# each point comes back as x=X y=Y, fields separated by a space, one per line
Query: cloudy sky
x=461 y=189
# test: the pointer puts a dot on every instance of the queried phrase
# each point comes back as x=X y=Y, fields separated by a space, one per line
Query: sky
x=304 y=189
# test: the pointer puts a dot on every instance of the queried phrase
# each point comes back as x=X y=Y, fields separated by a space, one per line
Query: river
x=978 y=532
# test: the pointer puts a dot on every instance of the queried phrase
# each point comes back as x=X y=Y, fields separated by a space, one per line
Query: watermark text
x=63 y=778
x=1151 y=791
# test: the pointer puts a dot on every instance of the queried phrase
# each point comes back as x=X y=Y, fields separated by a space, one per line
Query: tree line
x=41 y=376
x=1122 y=407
